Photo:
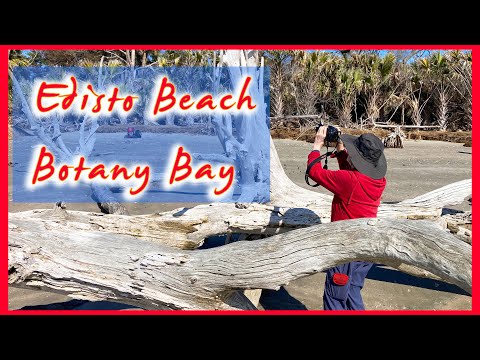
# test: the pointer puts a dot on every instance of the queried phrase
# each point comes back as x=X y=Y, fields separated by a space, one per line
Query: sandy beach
x=420 y=167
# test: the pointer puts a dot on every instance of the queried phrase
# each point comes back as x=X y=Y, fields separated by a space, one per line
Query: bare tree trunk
x=417 y=106
x=169 y=119
x=276 y=89
x=104 y=197
x=442 y=111
x=243 y=145
x=416 y=113
x=190 y=120
x=345 y=110
x=372 y=110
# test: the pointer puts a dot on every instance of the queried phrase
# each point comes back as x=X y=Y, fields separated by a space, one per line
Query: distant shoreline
x=284 y=132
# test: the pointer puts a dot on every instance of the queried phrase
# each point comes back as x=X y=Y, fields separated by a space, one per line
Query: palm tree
x=377 y=83
x=460 y=64
x=308 y=84
x=278 y=62
x=438 y=72
x=348 y=82
x=419 y=88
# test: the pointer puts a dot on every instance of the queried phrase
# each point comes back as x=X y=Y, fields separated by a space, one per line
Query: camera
x=332 y=133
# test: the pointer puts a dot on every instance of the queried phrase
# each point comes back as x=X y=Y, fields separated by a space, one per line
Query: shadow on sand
x=382 y=273
x=280 y=300
x=82 y=305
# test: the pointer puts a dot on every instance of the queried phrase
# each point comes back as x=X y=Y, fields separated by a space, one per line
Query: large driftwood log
x=95 y=265
x=188 y=228
x=43 y=245
x=447 y=195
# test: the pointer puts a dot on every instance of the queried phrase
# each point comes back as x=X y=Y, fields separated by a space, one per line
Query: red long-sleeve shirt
x=355 y=195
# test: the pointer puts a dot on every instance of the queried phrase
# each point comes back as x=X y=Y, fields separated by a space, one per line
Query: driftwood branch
x=186 y=228
x=116 y=257
x=452 y=194
x=96 y=265
x=408 y=126
x=106 y=201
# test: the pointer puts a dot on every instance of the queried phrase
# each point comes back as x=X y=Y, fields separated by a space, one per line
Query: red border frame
x=4 y=179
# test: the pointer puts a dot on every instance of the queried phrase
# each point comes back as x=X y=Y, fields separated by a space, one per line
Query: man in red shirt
x=357 y=189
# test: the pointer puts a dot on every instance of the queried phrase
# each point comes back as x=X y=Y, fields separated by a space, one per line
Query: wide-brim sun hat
x=366 y=153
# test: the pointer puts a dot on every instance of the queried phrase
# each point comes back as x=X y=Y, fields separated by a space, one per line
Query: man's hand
x=340 y=146
x=320 y=138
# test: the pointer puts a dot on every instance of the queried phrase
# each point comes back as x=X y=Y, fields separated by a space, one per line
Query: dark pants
x=345 y=297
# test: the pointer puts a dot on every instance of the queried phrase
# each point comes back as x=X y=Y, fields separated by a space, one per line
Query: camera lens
x=332 y=134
